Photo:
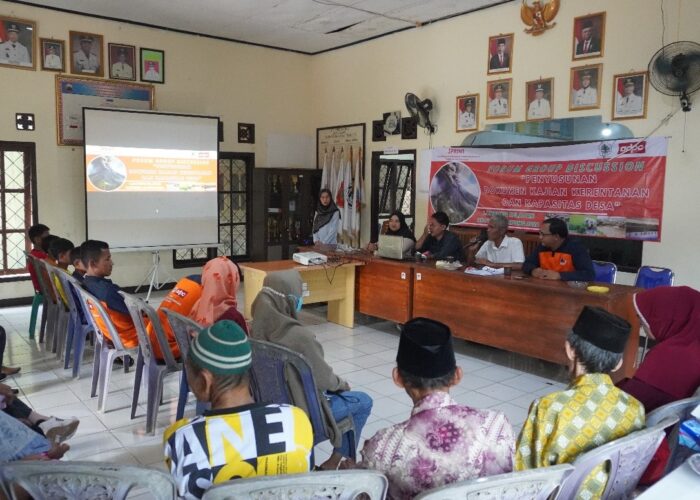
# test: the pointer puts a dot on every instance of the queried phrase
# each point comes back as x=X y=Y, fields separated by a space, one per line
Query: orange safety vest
x=181 y=299
x=557 y=261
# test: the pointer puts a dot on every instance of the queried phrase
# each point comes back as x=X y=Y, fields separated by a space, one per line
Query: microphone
x=480 y=238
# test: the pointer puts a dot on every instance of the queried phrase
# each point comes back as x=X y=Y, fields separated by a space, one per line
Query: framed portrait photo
x=122 y=61
x=589 y=36
x=392 y=123
x=498 y=94
x=86 y=54
x=584 y=87
x=53 y=54
x=467 y=111
x=17 y=42
x=630 y=92
x=152 y=65
x=540 y=97
x=500 y=57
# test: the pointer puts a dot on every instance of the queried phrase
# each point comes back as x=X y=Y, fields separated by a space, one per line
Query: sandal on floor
x=8 y=370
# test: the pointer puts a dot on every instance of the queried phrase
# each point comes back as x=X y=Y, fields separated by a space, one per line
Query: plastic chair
x=37 y=301
x=651 y=277
x=535 y=484
x=156 y=370
x=105 y=354
x=184 y=329
x=681 y=410
x=64 y=314
x=45 y=480
x=605 y=272
x=79 y=328
x=628 y=458
x=272 y=366
x=48 y=310
x=339 y=485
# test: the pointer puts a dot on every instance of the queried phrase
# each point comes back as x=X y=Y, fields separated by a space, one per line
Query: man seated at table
x=558 y=257
x=591 y=411
x=500 y=250
x=437 y=242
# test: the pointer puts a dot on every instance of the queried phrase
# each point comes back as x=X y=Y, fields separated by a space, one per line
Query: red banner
x=611 y=189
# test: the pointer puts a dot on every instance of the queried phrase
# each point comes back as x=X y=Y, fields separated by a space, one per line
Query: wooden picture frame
x=467 y=119
x=626 y=95
x=497 y=63
x=86 y=53
x=409 y=127
x=246 y=133
x=22 y=34
x=73 y=93
x=152 y=65
x=122 y=61
x=539 y=100
x=53 y=54
x=588 y=38
x=342 y=138
x=499 y=107
x=584 y=87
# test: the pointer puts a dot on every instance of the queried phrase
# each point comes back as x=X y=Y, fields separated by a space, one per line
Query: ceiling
x=307 y=26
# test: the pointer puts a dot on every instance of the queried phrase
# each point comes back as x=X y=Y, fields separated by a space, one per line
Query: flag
x=356 y=200
x=347 y=195
x=324 y=175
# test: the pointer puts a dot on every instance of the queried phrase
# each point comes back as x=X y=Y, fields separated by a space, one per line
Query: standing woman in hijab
x=326 y=220
x=671 y=369
x=220 y=281
x=397 y=227
x=275 y=320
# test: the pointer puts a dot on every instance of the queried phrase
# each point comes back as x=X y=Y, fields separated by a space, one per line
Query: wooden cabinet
x=284 y=203
x=385 y=289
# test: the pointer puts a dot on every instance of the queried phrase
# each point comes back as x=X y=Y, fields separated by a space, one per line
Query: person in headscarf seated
x=326 y=220
x=397 y=227
x=442 y=441
x=220 y=282
x=275 y=320
x=237 y=437
x=670 y=315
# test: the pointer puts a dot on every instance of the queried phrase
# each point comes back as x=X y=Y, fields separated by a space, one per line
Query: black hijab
x=324 y=214
x=403 y=230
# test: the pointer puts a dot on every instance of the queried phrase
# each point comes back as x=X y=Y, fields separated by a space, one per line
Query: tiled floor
x=364 y=355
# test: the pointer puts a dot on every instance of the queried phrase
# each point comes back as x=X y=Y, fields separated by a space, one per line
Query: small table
x=332 y=283
x=681 y=484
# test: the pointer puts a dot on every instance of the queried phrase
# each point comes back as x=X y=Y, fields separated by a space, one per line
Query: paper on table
x=484 y=271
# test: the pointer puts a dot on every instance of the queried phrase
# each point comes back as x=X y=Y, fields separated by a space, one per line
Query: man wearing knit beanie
x=442 y=442
x=238 y=437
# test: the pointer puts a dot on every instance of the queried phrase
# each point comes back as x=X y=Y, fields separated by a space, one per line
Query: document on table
x=484 y=271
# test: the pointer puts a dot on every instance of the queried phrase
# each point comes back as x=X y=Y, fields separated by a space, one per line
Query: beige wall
x=290 y=94
x=447 y=59
x=239 y=83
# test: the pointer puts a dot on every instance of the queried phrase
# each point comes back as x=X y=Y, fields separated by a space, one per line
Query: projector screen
x=151 y=179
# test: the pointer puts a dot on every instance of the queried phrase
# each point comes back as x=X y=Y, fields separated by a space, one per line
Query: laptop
x=394 y=247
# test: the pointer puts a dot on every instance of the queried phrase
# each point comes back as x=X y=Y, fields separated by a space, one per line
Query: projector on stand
x=309 y=258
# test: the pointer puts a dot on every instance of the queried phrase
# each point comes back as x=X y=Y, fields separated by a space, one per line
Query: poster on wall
x=75 y=93
x=609 y=189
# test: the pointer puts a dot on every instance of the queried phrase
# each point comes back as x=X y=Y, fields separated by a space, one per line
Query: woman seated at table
x=326 y=220
x=670 y=315
x=437 y=242
x=397 y=227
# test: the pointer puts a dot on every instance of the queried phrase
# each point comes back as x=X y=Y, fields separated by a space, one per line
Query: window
x=393 y=185
x=235 y=177
x=17 y=206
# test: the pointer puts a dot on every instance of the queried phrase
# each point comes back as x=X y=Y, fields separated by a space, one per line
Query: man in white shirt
x=499 y=104
x=629 y=103
x=500 y=250
x=52 y=60
x=467 y=119
x=84 y=60
x=12 y=51
x=539 y=107
x=122 y=69
x=152 y=74
x=586 y=95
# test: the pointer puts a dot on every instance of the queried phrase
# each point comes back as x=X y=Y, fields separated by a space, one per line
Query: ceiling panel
x=299 y=25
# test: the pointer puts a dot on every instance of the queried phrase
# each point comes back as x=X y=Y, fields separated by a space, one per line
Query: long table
x=520 y=314
x=332 y=283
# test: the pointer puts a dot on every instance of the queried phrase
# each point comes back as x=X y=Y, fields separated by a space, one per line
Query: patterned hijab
x=220 y=280
x=672 y=314
x=324 y=213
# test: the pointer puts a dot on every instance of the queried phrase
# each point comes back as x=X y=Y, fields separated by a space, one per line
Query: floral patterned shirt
x=441 y=443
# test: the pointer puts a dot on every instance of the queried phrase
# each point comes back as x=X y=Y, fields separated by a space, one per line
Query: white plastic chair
x=535 y=484
x=680 y=409
x=338 y=485
x=84 y=480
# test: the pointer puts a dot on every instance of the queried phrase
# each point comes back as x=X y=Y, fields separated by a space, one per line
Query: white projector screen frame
x=190 y=217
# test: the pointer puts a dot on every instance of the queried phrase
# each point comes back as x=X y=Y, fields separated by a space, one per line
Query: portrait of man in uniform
x=539 y=97
x=467 y=112
x=86 y=54
x=498 y=93
x=121 y=61
x=52 y=55
x=630 y=95
x=152 y=65
x=583 y=92
x=17 y=43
